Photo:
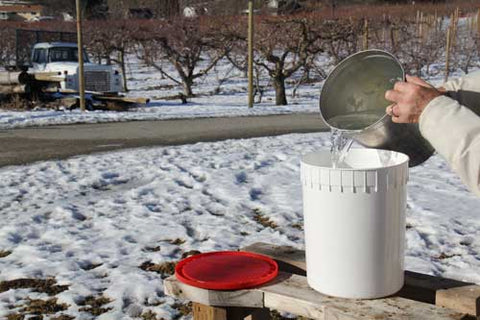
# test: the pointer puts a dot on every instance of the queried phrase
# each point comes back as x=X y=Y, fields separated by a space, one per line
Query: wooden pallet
x=423 y=297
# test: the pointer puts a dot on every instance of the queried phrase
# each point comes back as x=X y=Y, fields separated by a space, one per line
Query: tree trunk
x=187 y=87
x=124 y=69
x=280 y=95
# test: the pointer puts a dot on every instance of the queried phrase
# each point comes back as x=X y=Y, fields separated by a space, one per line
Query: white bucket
x=355 y=222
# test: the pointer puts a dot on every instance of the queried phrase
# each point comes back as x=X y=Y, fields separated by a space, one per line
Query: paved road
x=23 y=146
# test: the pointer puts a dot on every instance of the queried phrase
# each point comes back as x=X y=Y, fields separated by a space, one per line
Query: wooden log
x=122 y=99
x=48 y=76
x=13 y=78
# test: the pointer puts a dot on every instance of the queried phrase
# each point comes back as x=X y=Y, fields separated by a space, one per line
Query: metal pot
x=353 y=100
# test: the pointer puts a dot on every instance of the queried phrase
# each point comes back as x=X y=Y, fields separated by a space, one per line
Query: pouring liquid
x=340 y=145
x=341 y=139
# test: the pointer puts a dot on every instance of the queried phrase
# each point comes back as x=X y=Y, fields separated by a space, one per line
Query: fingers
x=418 y=81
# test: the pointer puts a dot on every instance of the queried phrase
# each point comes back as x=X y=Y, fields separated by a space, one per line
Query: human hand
x=409 y=99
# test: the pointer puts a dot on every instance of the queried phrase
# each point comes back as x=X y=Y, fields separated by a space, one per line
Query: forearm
x=454 y=131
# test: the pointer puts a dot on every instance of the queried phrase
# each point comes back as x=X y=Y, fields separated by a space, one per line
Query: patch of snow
x=91 y=221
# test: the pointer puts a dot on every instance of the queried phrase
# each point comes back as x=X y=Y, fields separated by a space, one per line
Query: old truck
x=61 y=58
x=47 y=70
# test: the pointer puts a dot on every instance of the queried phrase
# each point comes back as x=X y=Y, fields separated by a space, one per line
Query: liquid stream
x=348 y=125
x=341 y=142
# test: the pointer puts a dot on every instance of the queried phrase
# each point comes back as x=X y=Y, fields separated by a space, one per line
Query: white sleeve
x=454 y=131
x=470 y=82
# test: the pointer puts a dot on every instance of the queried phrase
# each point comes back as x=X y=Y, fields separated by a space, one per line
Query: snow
x=91 y=221
x=222 y=93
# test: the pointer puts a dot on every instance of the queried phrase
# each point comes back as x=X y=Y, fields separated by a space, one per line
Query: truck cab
x=62 y=58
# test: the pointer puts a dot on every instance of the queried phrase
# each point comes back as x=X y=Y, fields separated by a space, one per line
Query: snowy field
x=221 y=93
x=101 y=231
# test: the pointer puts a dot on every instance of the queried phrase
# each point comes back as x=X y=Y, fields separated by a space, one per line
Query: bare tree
x=184 y=43
x=283 y=46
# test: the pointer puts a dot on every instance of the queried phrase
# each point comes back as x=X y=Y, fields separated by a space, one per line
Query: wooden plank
x=237 y=298
x=418 y=287
x=465 y=299
x=203 y=312
x=295 y=296
x=290 y=259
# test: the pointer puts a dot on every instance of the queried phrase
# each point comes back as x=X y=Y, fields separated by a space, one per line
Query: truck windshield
x=65 y=54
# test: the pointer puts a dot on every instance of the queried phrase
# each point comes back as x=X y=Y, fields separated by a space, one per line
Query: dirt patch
x=4 y=253
x=48 y=286
x=94 y=305
x=165 y=269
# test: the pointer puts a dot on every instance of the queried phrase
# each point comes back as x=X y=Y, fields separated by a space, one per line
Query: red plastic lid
x=226 y=270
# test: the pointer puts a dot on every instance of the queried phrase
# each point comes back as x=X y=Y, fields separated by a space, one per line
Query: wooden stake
x=447 y=55
x=81 y=74
x=250 y=53
x=203 y=312
x=365 y=35
x=478 y=22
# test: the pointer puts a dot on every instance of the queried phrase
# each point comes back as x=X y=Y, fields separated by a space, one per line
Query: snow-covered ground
x=146 y=82
x=91 y=222
x=221 y=93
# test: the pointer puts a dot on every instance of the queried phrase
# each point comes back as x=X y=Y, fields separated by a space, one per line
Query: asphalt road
x=23 y=146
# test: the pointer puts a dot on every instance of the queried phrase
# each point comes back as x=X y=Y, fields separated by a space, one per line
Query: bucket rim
x=402 y=162
x=339 y=65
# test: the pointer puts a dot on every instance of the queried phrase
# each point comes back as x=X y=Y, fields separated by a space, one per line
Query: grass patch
x=444 y=256
x=263 y=220
x=63 y=317
x=48 y=286
x=152 y=249
x=297 y=226
x=149 y=315
x=183 y=309
x=38 y=306
x=5 y=253
x=177 y=241
x=165 y=269
x=94 y=305
x=190 y=253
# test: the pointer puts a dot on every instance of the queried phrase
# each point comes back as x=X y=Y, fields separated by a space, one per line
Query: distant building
x=21 y=12
x=140 y=13
x=143 y=9
x=283 y=6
